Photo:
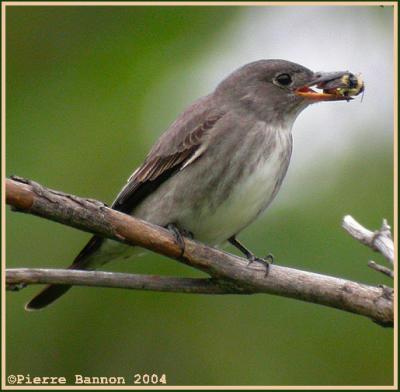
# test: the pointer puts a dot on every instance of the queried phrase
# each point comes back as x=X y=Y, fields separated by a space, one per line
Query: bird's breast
x=247 y=185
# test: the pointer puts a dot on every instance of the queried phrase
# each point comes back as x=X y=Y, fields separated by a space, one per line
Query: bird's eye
x=284 y=79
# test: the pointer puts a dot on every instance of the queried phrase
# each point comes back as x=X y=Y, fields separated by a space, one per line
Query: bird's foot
x=269 y=259
x=264 y=262
x=179 y=234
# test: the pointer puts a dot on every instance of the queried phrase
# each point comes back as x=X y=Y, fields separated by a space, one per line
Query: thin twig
x=380 y=268
x=18 y=278
x=373 y=302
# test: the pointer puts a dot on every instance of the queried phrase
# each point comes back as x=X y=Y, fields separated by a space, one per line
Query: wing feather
x=158 y=167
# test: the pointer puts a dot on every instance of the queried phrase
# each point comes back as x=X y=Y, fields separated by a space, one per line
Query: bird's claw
x=179 y=234
x=270 y=258
x=266 y=263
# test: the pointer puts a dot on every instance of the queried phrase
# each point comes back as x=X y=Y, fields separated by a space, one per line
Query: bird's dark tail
x=52 y=292
x=47 y=296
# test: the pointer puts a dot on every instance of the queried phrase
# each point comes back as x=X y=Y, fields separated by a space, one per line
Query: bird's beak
x=335 y=86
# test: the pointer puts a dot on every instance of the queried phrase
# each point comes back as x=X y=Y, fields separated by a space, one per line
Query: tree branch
x=380 y=241
x=18 y=278
x=228 y=270
x=380 y=268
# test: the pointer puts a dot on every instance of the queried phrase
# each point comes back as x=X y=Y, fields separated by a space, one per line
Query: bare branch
x=380 y=240
x=92 y=216
x=380 y=268
x=18 y=278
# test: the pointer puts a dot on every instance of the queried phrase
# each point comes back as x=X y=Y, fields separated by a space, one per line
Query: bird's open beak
x=335 y=86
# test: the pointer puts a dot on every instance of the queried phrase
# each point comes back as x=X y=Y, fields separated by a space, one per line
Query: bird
x=220 y=164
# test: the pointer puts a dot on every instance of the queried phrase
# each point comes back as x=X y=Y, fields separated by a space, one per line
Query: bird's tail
x=52 y=292
x=48 y=295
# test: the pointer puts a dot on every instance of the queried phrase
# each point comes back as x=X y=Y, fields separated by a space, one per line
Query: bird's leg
x=270 y=258
x=179 y=234
x=251 y=256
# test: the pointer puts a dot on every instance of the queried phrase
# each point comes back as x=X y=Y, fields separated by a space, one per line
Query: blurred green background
x=89 y=89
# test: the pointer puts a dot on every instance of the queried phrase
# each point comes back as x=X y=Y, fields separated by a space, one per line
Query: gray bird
x=221 y=163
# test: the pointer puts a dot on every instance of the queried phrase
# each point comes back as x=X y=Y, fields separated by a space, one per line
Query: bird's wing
x=170 y=154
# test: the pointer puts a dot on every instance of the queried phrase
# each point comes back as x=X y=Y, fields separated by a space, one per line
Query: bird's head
x=279 y=89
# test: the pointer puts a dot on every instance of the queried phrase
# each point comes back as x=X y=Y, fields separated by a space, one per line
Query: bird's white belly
x=250 y=196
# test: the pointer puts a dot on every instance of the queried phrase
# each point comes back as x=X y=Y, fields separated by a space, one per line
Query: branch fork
x=380 y=241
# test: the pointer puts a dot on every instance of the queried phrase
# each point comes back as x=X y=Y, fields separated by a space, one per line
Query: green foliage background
x=77 y=82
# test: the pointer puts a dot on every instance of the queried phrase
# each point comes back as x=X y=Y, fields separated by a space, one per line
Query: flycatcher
x=221 y=163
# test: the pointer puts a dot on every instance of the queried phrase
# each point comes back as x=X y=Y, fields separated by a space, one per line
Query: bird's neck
x=282 y=117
